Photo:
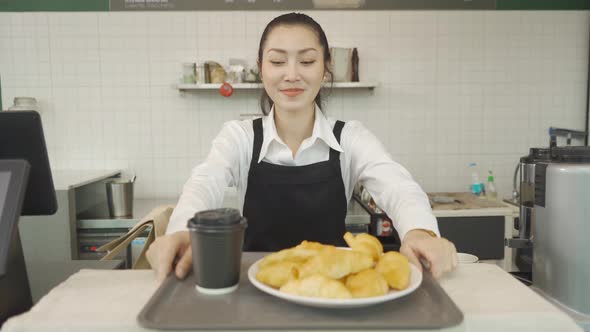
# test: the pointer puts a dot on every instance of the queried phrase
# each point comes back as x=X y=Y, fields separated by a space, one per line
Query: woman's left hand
x=440 y=253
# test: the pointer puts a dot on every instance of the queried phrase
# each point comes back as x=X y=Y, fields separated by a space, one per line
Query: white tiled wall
x=454 y=86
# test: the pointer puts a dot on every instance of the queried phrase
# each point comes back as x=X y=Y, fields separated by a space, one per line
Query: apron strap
x=258 y=137
x=334 y=155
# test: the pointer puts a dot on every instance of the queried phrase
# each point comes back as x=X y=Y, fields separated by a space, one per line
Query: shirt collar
x=321 y=129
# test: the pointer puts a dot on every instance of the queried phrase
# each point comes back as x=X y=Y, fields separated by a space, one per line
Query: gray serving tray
x=177 y=305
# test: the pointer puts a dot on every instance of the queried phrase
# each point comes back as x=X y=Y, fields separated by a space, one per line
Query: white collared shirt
x=362 y=159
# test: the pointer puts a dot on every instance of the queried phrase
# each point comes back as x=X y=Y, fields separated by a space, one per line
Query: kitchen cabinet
x=478 y=226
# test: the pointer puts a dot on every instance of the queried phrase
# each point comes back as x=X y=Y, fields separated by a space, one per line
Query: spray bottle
x=491 y=192
x=476 y=185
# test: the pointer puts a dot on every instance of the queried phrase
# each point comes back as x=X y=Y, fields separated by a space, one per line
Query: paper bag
x=156 y=221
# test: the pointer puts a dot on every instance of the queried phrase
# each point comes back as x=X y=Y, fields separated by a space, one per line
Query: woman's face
x=292 y=67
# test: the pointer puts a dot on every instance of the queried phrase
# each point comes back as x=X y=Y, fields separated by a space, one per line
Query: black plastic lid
x=223 y=217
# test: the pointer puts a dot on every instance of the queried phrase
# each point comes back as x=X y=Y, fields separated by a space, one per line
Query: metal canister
x=120 y=198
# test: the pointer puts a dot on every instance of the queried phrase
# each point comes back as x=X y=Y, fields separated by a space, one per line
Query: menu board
x=284 y=5
x=130 y=5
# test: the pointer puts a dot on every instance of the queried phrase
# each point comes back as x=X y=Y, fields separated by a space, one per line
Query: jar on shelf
x=24 y=104
x=235 y=74
x=201 y=75
x=188 y=73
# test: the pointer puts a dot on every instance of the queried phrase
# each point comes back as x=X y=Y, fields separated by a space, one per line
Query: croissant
x=317 y=286
x=298 y=254
x=278 y=274
x=367 y=283
x=395 y=268
x=364 y=243
x=336 y=263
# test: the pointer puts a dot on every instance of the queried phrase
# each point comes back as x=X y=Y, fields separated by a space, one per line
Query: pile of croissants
x=317 y=270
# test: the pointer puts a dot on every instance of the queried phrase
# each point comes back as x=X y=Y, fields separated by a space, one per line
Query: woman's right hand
x=163 y=252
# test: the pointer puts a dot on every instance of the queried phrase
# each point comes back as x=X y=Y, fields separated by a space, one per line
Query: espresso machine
x=525 y=197
x=554 y=223
x=526 y=201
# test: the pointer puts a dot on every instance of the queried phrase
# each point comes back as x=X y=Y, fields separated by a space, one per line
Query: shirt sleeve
x=389 y=183
x=208 y=181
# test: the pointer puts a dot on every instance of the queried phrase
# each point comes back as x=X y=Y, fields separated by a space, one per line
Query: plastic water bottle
x=491 y=193
x=476 y=185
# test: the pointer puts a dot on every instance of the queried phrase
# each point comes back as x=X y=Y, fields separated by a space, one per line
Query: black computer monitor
x=22 y=150
x=14 y=175
x=21 y=137
x=14 y=285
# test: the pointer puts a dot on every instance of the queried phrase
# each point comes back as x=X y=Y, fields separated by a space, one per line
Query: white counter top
x=70 y=179
x=92 y=300
x=467 y=205
x=509 y=210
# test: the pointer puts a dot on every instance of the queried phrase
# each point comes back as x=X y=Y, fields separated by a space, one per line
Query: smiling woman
x=297 y=51
x=295 y=168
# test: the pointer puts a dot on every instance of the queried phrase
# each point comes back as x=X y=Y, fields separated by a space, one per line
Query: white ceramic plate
x=467 y=258
x=415 y=281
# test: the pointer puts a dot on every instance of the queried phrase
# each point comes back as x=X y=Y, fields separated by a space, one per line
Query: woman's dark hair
x=293 y=19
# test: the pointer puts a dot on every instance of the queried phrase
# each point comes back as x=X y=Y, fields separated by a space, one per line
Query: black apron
x=285 y=205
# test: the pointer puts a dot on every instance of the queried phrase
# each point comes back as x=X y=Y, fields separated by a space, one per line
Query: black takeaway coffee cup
x=216 y=239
